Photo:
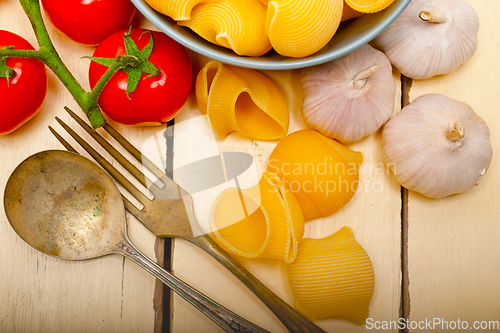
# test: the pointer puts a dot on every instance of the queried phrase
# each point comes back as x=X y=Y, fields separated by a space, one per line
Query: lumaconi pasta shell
x=348 y=13
x=322 y=173
x=333 y=278
x=235 y=24
x=179 y=10
x=369 y=6
x=241 y=100
x=301 y=28
x=271 y=230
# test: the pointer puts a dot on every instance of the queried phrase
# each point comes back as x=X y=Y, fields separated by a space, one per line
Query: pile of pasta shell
x=309 y=176
x=252 y=27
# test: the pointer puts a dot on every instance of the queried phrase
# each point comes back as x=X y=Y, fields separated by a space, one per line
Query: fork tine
x=104 y=163
x=128 y=205
x=63 y=141
x=132 y=209
x=110 y=149
x=134 y=151
x=125 y=144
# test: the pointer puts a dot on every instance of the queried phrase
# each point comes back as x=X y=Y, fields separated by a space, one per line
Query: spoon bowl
x=64 y=205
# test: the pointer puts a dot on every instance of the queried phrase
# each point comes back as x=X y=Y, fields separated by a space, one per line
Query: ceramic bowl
x=350 y=35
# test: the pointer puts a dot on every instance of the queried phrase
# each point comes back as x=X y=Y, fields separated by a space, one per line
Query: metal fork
x=166 y=215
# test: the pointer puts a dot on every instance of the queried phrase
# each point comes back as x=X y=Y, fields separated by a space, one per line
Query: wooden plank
x=44 y=294
x=373 y=214
x=159 y=299
x=453 y=242
x=405 y=282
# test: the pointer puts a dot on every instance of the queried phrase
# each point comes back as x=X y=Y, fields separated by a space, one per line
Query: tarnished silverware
x=64 y=205
x=166 y=215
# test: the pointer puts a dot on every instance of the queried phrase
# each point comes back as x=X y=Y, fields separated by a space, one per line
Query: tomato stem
x=33 y=54
x=7 y=71
x=47 y=53
x=119 y=63
x=49 y=56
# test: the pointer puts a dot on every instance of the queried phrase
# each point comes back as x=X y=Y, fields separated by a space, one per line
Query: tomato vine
x=49 y=56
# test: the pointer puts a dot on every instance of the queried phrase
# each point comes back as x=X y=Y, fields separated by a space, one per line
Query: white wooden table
x=453 y=252
x=39 y=293
x=449 y=268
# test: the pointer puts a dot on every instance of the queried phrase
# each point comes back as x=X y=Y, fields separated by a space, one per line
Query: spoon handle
x=291 y=318
x=227 y=320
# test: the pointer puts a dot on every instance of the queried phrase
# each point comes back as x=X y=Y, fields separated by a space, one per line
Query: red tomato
x=157 y=99
x=89 y=21
x=22 y=95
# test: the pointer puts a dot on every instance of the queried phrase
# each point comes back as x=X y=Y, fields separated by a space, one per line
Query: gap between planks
x=162 y=302
x=163 y=246
x=404 y=311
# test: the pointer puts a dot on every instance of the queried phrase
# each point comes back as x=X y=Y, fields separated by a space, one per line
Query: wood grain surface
x=373 y=215
x=39 y=293
x=453 y=242
x=448 y=269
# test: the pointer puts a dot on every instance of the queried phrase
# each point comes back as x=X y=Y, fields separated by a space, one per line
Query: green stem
x=120 y=63
x=50 y=57
x=34 y=54
x=95 y=116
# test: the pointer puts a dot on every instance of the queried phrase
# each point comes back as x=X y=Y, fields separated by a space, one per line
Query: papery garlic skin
x=437 y=146
x=342 y=107
x=422 y=49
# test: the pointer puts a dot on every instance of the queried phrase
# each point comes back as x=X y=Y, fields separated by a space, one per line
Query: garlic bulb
x=437 y=146
x=431 y=37
x=350 y=97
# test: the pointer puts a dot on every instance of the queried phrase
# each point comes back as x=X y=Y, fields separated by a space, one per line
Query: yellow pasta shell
x=241 y=100
x=271 y=230
x=179 y=10
x=300 y=28
x=235 y=24
x=333 y=278
x=348 y=13
x=322 y=173
x=369 y=6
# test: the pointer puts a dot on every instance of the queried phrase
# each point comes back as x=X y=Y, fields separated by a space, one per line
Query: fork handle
x=223 y=317
x=291 y=318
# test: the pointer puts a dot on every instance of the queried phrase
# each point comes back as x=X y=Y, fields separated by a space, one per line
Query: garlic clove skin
x=437 y=146
x=350 y=97
x=431 y=37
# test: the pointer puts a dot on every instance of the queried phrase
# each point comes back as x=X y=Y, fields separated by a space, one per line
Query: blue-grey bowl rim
x=158 y=20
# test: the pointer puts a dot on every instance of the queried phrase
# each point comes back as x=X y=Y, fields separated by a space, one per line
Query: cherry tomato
x=156 y=99
x=89 y=21
x=21 y=96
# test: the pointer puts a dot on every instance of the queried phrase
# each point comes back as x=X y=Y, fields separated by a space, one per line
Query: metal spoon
x=64 y=205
